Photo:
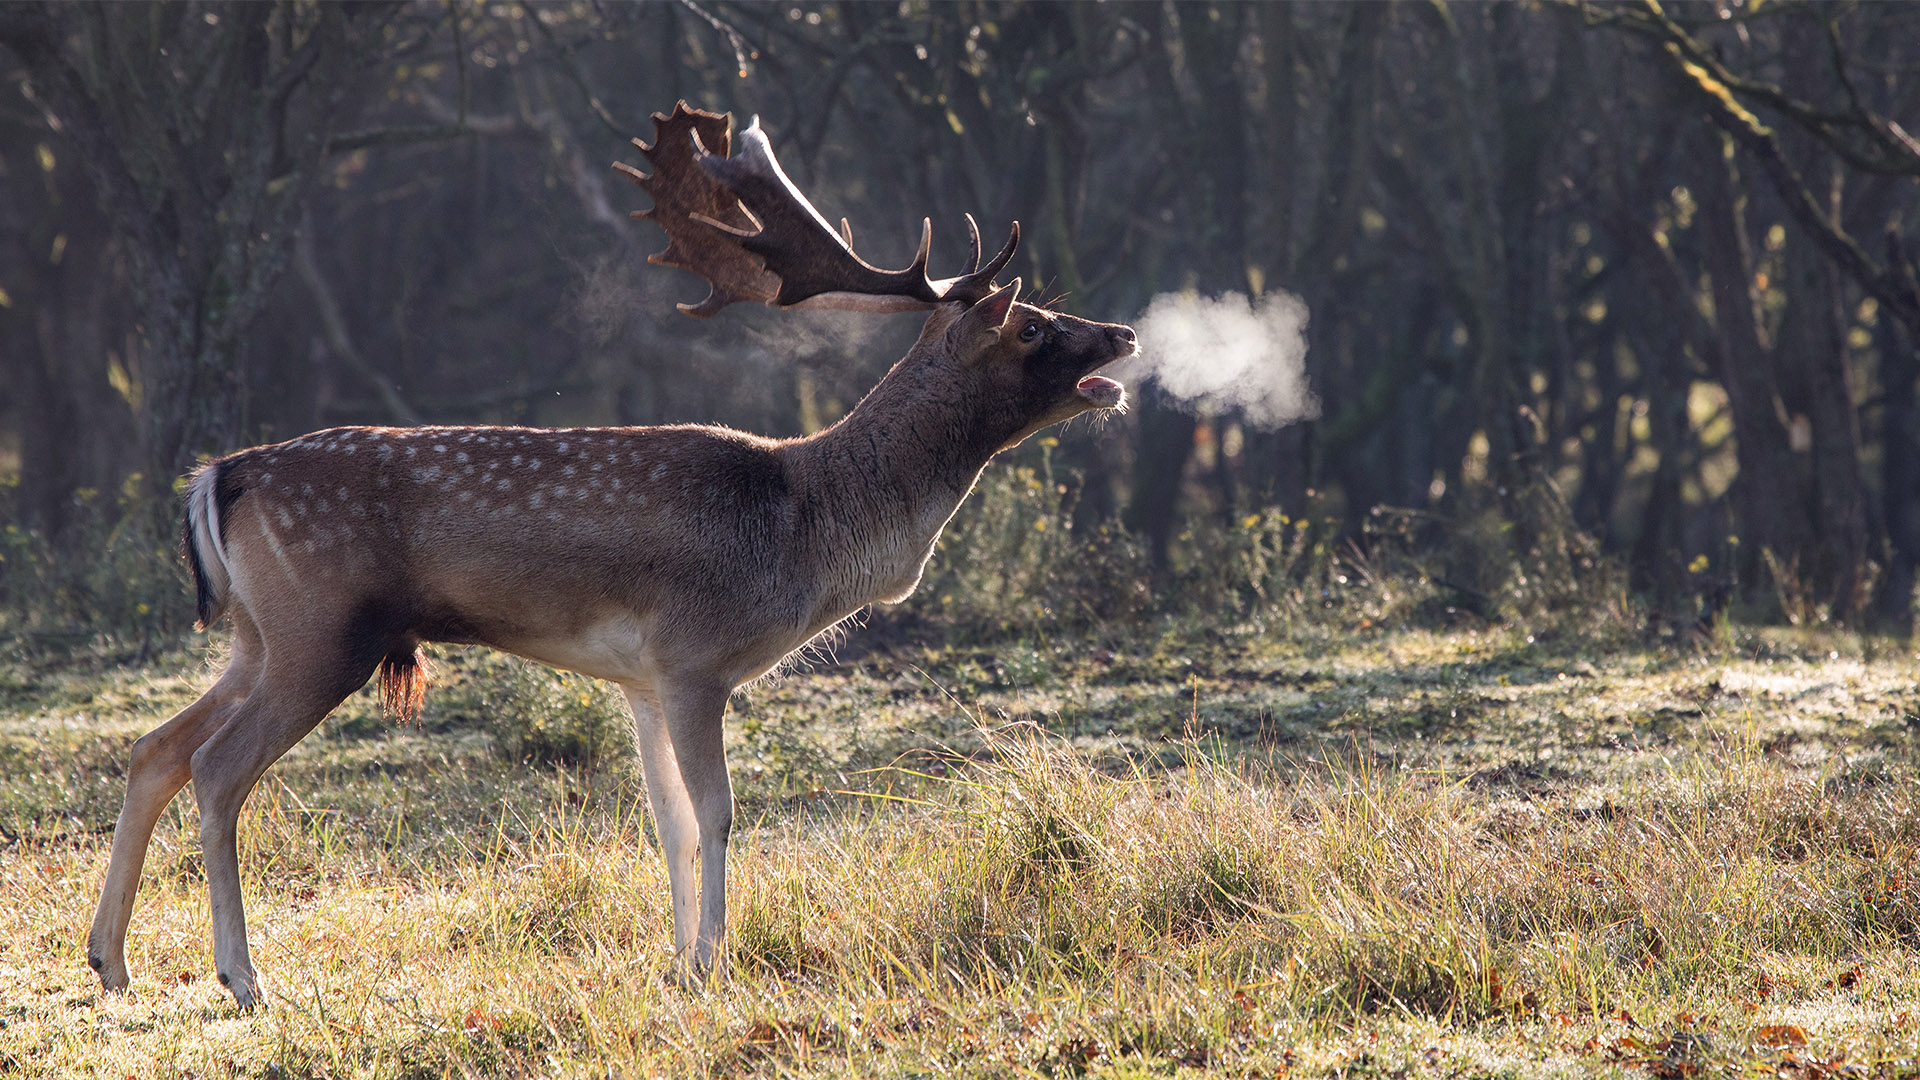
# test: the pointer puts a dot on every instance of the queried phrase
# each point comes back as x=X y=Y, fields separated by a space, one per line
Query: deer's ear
x=990 y=313
x=994 y=309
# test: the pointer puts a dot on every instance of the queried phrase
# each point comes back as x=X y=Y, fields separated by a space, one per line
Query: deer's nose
x=1123 y=333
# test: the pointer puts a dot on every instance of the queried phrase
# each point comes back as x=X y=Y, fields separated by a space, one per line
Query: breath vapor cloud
x=1229 y=351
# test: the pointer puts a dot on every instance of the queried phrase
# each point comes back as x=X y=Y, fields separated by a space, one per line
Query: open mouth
x=1101 y=391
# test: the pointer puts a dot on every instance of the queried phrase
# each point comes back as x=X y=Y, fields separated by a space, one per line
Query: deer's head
x=738 y=221
x=1028 y=367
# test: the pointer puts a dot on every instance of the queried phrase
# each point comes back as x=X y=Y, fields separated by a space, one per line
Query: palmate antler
x=739 y=222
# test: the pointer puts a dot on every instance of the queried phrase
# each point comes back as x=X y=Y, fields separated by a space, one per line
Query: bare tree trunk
x=1768 y=492
x=1900 y=471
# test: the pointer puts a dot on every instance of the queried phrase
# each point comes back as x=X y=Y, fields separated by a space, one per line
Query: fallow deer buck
x=678 y=562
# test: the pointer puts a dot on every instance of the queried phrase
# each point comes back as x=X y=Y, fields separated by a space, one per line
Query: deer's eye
x=1030 y=332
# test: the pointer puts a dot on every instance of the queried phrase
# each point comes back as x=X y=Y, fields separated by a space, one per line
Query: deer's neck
x=881 y=484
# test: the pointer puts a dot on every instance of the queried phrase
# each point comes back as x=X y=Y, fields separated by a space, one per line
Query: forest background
x=1621 y=283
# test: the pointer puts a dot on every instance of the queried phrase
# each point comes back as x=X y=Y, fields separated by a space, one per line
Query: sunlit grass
x=1665 y=864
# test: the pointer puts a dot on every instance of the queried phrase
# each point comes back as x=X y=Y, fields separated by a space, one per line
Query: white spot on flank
x=536 y=500
x=567 y=471
x=506 y=484
x=562 y=448
x=411 y=451
x=534 y=464
x=597 y=466
x=286 y=519
x=461 y=456
x=439 y=448
x=306 y=489
x=659 y=471
x=560 y=492
x=342 y=493
x=466 y=496
x=516 y=459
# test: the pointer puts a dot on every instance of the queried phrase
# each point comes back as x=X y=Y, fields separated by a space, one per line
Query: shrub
x=1013 y=560
x=114 y=571
x=540 y=715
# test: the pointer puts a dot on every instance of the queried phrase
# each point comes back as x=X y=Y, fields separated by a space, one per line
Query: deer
x=678 y=562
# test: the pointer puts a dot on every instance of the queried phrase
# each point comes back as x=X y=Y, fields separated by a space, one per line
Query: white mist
x=1228 y=352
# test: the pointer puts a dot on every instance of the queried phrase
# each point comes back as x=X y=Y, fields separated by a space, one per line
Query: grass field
x=1273 y=850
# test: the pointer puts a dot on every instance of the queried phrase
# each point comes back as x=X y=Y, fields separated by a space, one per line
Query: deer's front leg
x=694 y=714
x=673 y=821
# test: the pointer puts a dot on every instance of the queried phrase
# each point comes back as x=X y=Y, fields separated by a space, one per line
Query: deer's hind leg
x=301 y=680
x=158 y=767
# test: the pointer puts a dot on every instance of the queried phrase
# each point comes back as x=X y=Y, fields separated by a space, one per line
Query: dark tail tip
x=403 y=683
x=203 y=599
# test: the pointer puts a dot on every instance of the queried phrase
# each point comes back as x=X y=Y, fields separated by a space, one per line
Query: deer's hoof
x=245 y=990
x=112 y=971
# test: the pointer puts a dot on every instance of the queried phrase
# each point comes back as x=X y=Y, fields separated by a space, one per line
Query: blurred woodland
x=1634 y=282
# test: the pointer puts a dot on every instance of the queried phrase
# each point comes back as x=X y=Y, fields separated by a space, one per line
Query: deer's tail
x=203 y=544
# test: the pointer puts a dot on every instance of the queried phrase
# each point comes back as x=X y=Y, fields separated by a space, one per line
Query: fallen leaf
x=1780 y=1035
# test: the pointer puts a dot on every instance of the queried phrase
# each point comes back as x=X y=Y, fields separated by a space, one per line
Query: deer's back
x=513 y=537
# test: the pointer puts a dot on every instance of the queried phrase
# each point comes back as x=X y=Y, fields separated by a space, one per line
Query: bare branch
x=339 y=342
x=571 y=67
x=1896 y=152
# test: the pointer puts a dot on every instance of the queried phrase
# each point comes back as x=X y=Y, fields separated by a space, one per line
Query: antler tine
x=971 y=287
x=926 y=248
x=973 y=246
